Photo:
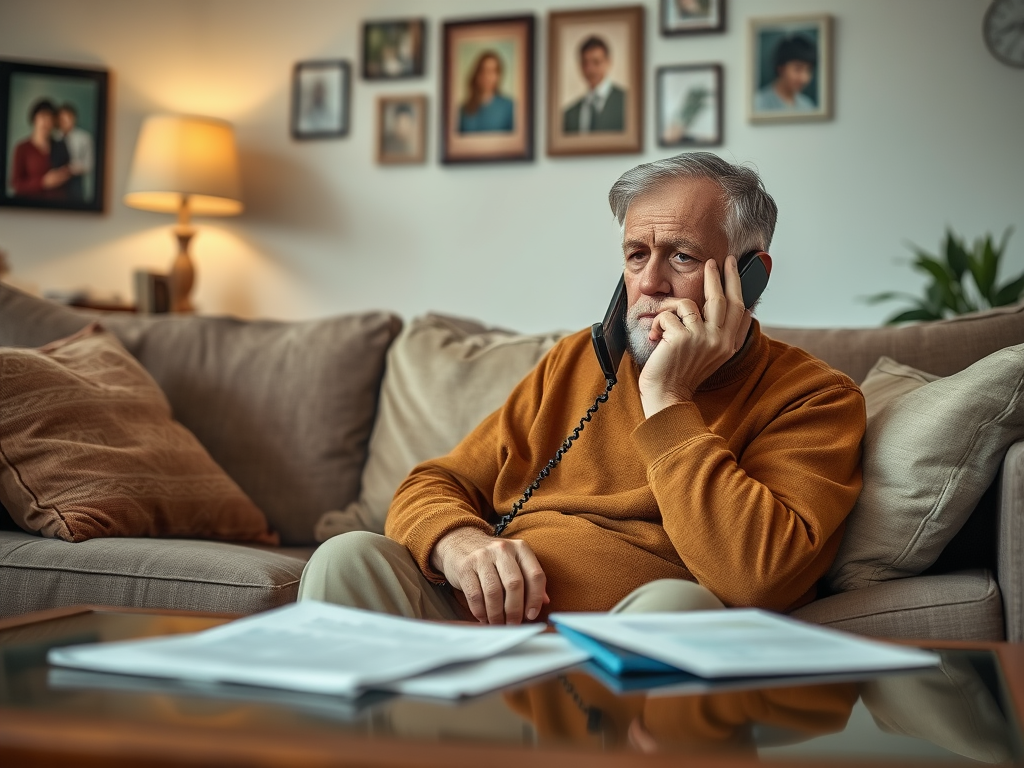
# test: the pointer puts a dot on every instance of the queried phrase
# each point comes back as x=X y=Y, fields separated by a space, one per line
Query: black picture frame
x=321 y=99
x=467 y=41
x=704 y=17
x=689 y=105
x=78 y=91
x=405 y=38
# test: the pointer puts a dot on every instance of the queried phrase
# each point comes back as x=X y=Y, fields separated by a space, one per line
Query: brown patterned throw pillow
x=88 y=448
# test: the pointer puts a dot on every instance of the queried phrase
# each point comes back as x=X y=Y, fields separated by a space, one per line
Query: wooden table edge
x=29 y=739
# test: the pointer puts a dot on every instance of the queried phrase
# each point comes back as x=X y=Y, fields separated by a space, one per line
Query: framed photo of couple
x=53 y=136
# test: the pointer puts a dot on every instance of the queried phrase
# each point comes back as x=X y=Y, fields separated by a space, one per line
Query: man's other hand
x=693 y=345
x=501 y=578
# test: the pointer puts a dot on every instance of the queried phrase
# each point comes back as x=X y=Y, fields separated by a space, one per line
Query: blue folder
x=613 y=659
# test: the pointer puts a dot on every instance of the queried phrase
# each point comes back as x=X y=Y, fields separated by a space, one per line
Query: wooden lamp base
x=182 y=274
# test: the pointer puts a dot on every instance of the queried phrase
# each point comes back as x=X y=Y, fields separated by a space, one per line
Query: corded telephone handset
x=610 y=341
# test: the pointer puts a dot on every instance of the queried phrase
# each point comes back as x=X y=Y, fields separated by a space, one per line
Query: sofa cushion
x=285 y=408
x=887 y=380
x=929 y=456
x=181 y=574
x=88 y=448
x=953 y=606
x=941 y=347
x=444 y=375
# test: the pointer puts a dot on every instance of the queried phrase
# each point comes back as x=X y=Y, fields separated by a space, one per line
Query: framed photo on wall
x=595 y=81
x=689 y=17
x=393 y=49
x=487 y=102
x=53 y=133
x=790 y=69
x=689 y=105
x=320 y=99
x=401 y=129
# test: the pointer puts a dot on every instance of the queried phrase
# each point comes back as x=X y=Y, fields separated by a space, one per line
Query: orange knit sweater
x=743 y=490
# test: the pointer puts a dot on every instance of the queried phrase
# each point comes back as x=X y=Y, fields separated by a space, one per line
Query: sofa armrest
x=1010 y=541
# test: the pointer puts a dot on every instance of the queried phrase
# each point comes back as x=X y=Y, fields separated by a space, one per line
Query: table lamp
x=185 y=165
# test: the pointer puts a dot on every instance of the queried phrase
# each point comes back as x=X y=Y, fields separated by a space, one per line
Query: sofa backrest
x=942 y=347
x=285 y=408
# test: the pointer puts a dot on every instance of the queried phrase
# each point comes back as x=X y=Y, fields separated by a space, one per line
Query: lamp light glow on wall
x=189 y=166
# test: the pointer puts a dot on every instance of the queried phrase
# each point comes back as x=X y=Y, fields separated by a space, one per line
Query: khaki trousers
x=369 y=571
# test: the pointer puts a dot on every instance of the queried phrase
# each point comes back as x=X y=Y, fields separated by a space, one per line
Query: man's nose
x=654 y=279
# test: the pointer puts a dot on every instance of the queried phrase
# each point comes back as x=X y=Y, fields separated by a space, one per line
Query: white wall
x=927 y=133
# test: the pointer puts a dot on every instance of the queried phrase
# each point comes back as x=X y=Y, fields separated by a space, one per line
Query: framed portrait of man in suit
x=595 y=81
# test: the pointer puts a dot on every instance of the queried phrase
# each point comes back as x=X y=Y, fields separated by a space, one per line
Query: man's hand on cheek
x=691 y=345
x=501 y=578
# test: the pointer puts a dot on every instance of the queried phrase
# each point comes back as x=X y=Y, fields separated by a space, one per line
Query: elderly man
x=719 y=472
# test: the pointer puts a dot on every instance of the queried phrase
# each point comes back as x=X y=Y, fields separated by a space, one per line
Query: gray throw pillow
x=929 y=455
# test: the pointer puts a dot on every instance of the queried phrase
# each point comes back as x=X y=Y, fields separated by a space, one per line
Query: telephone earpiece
x=754 y=267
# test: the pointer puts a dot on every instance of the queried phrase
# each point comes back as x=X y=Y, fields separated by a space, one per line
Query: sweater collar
x=740 y=365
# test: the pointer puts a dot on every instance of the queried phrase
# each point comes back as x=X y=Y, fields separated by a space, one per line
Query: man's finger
x=494 y=594
x=536 y=583
x=716 y=308
x=734 y=294
x=470 y=585
x=514 y=586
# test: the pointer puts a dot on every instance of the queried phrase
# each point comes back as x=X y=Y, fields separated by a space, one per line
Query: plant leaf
x=984 y=265
x=1009 y=293
x=878 y=298
x=956 y=255
x=913 y=314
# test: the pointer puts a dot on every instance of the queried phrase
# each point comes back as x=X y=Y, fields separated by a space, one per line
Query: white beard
x=640 y=346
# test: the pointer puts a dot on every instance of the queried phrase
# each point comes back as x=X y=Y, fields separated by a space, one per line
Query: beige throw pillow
x=443 y=376
x=930 y=453
x=88 y=448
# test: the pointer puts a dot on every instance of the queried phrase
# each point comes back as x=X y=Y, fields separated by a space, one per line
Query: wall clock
x=1003 y=28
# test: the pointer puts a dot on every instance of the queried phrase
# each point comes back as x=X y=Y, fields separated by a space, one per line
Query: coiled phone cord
x=553 y=462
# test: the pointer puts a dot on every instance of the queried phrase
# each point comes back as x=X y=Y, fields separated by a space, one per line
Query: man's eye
x=683 y=257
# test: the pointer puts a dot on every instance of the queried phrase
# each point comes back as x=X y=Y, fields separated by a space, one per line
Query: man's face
x=43 y=120
x=669 y=233
x=66 y=120
x=794 y=76
x=594 y=63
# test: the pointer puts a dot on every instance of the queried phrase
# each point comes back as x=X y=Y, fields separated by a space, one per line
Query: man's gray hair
x=750 y=212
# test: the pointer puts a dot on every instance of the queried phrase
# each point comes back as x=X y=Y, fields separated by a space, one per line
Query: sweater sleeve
x=22 y=179
x=758 y=529
x=457 y=490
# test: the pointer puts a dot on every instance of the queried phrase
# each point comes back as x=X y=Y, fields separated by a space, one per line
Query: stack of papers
x=320 y=648
x=735 y=643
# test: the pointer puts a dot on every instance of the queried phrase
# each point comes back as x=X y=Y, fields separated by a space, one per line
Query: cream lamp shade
x=181 y=158
x=185 y=165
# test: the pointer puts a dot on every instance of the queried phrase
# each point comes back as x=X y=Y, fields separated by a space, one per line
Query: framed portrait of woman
x=487 y=110
x=53 y=136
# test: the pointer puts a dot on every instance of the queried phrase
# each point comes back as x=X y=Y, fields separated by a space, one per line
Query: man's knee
x=344 y=564
x=669 y=595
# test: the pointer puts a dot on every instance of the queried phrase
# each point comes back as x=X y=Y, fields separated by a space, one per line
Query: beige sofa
x=288 y=410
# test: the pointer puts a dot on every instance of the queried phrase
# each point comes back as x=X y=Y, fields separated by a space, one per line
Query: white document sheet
x=307 y=646
x=537 y=656
x=743 y=643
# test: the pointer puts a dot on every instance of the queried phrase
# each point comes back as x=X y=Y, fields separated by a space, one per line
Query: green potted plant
x=962 y=280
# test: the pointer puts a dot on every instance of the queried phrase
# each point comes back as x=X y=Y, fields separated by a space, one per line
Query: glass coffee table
x=966 y=712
